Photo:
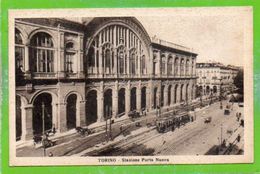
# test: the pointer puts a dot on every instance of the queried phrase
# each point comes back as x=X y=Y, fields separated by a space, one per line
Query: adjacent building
x=72 y=74
x=215 y=79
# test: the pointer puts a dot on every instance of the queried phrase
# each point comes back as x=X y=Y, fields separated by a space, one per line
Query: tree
x=239 y=81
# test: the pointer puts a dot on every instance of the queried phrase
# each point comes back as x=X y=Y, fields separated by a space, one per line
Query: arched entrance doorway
x=162 y=96
x=121 y=101
x=91 y=107
x=133 y=99
x=175 y=93
x=42 y=113
x=71 y=111
x=169 y=95
x=108 y=103
x=155 y=98
x=187 y=93
x=143 y=98
x=181 y=92
x=18 y=118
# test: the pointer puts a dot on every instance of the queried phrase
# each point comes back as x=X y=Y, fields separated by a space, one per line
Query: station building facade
x=71 y=74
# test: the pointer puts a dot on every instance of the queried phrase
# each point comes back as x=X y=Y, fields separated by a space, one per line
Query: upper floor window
x=187 y=67
x=176 y=65
x=163 y=65
x=69 y=57
x=143 y=66
x=170 y=64
x=42 y=52
x=132 y=63
x=19 y=52
x=182 y=67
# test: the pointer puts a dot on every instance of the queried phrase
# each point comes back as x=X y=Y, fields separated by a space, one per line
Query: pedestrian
x=238 y=138
x=121 y=128
x=50 y=154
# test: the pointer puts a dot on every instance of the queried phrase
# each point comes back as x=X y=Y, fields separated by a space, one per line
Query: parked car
x=134 y=114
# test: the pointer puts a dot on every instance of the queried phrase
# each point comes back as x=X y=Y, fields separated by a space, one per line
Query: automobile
x=207 y=120
x=83 y=131
x=134 y=114
x=226 y=112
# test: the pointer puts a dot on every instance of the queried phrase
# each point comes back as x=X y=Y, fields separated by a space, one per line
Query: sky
x=214 y=34
x=215 y=38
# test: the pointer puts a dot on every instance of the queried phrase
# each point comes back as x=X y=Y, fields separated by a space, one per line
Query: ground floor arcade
x=67 y=105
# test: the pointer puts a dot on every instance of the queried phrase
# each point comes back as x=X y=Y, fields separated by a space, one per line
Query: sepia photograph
x=131 y=86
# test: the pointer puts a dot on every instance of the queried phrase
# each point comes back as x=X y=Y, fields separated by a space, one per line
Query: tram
x=172 y=122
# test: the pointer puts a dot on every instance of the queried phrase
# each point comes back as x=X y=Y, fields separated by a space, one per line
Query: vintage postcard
x=131 y=86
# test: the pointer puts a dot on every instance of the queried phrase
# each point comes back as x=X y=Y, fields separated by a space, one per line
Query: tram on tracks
x=170 y=123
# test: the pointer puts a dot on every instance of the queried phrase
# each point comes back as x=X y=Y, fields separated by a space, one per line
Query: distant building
x=215 y=79
x=72 y=74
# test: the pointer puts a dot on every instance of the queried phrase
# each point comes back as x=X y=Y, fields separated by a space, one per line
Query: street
x=193 y=138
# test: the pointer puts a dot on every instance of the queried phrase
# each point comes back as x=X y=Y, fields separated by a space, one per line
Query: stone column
x=100 y=103
x=81 y=113
x=61 y=62
x=62 y=107
x=54 y=114
x=115 y=100
x=80 y=65
x=27 y=122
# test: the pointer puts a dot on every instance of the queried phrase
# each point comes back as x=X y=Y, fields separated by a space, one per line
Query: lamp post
x=43 y=129
x=43 y=122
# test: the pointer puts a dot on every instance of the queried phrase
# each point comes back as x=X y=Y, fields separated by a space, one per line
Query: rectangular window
x=19 y=57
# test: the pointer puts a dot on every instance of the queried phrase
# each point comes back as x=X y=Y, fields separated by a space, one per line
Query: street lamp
x=43 y=128
x=43 y=122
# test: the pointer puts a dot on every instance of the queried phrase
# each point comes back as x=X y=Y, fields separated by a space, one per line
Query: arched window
x=91 y=60
x=192 y=67
x=107 y=60
x=19 y=51
x=121 y=56
x=132 y=63
x=120 y=59
x=170 y=62
x=176 y=66
x=143 y=67
x=42 y=52
x=163 y=65
x=182 y=67
x=187 y=69
x=69 y=57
